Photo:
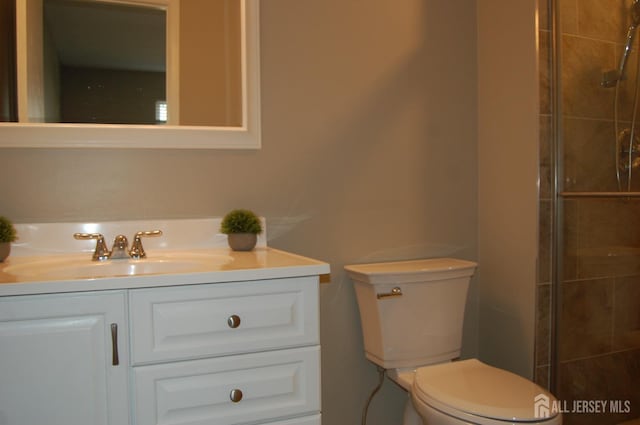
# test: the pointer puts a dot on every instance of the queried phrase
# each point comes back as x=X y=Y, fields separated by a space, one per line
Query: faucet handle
x=137 y=250
x=101 y=252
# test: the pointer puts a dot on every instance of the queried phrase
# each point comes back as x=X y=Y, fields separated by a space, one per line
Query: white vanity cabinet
x=201 y=335
x=64 y=359
x=225 y=353
x=228 y=353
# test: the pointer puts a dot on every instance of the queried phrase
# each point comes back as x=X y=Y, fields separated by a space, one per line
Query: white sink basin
x=82 y=267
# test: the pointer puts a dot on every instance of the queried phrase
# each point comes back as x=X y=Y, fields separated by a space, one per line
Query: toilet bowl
x=470 y=391
x=411 y=314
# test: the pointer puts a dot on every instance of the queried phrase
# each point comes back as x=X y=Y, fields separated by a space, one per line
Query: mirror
x=190 y=124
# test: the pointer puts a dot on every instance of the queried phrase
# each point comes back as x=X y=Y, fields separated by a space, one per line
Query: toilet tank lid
x=411 y=271
x=472 y=387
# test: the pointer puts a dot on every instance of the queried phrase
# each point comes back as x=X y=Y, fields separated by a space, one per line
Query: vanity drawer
x=274 y=384
x=189 y=322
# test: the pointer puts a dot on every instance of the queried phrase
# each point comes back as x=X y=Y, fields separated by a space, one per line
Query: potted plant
x=242 y=227
x=7 y=235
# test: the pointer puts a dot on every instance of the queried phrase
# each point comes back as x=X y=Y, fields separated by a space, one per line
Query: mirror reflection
x=155 y=62
x=103 y=63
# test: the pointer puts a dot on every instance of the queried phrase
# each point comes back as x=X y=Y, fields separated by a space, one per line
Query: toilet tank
x=412 y=312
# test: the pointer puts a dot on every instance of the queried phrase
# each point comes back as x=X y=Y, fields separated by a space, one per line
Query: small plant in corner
x=8 y=234
x=7 y=231
x=242 y=227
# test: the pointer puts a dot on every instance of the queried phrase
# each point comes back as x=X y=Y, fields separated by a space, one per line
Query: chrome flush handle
x=395 y=292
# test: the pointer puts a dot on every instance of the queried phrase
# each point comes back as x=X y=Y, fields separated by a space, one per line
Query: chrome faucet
x=120 y=245
x=119 y=249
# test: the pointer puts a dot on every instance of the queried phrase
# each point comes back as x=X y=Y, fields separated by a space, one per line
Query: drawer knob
x=233 y=321
x=235 y=395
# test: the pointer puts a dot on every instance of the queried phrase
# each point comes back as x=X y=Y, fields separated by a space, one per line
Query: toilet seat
x=472 y=390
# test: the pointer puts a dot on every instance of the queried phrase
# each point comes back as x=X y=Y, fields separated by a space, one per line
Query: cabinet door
x=58 y=365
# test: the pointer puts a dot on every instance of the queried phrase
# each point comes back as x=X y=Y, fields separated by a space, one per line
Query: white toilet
x=412 y=314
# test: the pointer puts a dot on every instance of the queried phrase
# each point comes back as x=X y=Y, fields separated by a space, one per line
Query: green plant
x=241 y=221
x=7 y=231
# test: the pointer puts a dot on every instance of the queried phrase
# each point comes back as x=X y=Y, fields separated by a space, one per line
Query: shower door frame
x=559 y=195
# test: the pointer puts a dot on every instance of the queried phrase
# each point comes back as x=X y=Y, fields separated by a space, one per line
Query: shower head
x=613 y=77
x=631 y=34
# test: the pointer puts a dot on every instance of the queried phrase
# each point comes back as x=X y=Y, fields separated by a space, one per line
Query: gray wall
x=508 y=148
x=369 y=153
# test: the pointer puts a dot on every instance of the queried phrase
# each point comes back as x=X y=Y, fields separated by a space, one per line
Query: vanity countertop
x=261 y=263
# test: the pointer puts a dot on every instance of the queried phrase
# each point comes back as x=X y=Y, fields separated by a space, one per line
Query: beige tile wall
x=599 y=331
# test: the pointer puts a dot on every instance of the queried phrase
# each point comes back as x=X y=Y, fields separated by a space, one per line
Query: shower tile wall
x=599 y=333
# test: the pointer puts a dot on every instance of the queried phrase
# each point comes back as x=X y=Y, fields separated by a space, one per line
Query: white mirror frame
x=36 y=135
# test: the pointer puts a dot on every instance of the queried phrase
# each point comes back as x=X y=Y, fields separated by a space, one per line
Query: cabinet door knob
x=235 y=395
x=233 y=321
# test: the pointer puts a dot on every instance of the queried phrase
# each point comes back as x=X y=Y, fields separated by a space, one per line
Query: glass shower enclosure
x=588 y=313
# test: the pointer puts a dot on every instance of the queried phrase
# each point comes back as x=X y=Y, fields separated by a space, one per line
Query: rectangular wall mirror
x=130 y=74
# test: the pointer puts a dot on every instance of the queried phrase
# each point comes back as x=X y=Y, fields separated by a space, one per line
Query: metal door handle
x=114 y=345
